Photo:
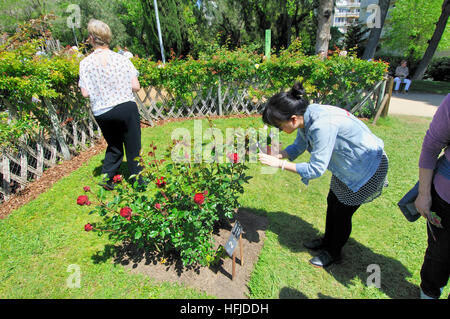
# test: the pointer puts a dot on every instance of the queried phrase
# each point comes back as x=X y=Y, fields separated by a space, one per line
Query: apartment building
x=346 y=12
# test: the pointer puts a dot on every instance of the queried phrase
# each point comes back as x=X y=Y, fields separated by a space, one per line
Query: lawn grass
x=436 y=87
x=41 y=239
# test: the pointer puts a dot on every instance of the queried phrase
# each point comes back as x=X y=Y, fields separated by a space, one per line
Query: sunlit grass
x=41 y=239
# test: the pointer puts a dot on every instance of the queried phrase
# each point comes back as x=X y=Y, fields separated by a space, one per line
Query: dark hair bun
x=297 y=91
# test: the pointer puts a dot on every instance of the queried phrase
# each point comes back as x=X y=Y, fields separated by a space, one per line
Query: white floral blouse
x=110 y=84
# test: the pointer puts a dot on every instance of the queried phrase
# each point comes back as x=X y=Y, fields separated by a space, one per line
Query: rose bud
x=160 y=182
x=158 y=206
x=88 y=227
x=82 y=200
x=199 y=198
x=126 y=212
x=117 y=178
x=86 y=189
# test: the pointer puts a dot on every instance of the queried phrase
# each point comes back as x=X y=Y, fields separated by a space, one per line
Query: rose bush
x=175 y=208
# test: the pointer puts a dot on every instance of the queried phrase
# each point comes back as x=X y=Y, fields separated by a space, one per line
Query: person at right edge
x=434 y=196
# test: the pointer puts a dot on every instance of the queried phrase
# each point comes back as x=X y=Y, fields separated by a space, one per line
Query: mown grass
x=41 y=239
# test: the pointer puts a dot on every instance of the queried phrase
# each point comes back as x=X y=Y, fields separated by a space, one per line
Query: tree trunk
x=434 y=42
x=375 y=33
x=323 y=31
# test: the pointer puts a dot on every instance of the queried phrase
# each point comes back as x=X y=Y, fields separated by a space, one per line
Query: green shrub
x=26 y=79
x=439 y=69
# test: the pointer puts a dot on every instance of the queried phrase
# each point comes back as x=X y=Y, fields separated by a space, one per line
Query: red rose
x=117 y=178
x=86 y=189
x=88 y=227
x=199 y=198
x=126 y=212
x=83 y=200
x=158 y=206
x=234 y=157
x=160 y=182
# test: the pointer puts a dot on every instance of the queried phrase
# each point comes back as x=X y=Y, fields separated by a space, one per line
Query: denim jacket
x=337 y=141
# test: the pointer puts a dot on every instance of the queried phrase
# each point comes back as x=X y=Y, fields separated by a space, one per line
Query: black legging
x=121 y=127
x=338 y=225
x=435 y=270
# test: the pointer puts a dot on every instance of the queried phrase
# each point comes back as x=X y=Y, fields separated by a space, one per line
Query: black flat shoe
x=108 y=184
x=314 y=244
x=324 y=259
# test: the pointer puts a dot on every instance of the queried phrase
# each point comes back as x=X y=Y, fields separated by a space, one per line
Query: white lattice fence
x=33 y=155
x=157 y=103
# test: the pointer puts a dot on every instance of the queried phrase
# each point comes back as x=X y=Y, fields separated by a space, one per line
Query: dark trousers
x=338 y=225
x=121 y=127
x=436 y=265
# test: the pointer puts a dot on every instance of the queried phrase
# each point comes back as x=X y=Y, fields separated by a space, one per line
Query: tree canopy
x=411 y=26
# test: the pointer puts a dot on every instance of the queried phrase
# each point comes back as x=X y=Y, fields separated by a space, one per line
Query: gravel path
x=418 y=104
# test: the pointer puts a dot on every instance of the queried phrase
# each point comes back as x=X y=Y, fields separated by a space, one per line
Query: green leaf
x=153 y=234
x=137 y=234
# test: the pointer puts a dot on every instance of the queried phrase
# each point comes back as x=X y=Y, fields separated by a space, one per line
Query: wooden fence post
x=390 y=86
x=6 y=177
x=380 y=96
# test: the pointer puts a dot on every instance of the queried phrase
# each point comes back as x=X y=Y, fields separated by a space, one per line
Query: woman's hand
x=423 y=205
x=269 y=160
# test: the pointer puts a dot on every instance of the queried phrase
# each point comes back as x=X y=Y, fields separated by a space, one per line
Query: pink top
x=436 y=139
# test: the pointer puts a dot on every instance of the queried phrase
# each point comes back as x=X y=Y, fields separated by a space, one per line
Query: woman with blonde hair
x=109 y=80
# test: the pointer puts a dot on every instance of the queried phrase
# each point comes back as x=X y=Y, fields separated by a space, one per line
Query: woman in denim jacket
x=339 y=142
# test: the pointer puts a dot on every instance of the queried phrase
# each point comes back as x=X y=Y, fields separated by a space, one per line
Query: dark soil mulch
x=215 y=280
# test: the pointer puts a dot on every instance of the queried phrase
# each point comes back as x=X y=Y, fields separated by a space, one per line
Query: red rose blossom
x=234 y=157
x=160 y=182
x=83 y=200
x=199 y=198
x=86 y=189
x=126 y=212
x=158 y=206
x=88 y=227
x=117 y=178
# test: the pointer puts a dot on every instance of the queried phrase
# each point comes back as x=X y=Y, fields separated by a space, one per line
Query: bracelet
x=283 y=165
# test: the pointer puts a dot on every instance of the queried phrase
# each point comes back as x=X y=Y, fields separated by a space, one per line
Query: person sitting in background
x=401 y=72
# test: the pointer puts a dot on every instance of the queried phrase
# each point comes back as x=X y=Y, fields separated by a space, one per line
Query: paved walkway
x=418 y=104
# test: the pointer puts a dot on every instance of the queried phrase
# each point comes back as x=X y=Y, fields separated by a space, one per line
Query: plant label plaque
x=232 y=242
x=230 y=246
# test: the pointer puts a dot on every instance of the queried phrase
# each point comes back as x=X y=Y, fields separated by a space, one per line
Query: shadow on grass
x=131 y=254
x=292 y=231
x=123 y=169
x=290 y=293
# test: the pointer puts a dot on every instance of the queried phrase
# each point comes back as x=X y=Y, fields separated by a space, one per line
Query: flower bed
x=175 y=209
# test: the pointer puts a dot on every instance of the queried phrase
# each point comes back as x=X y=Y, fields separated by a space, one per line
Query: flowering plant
x=176 y=206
